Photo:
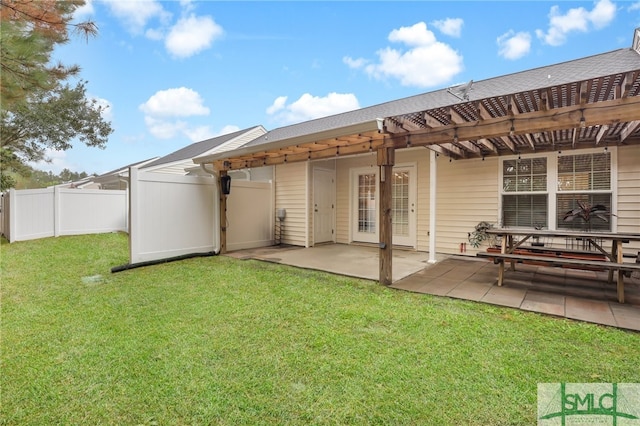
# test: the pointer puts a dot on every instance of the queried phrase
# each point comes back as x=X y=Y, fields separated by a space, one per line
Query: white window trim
x=552 y=182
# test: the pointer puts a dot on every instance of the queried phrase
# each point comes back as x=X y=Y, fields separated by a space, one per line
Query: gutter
x=216 y=207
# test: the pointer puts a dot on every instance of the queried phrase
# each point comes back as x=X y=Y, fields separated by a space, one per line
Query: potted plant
x=479 y=234
x=586 y=212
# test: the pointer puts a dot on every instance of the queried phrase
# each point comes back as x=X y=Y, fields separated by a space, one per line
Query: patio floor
x=570 y=293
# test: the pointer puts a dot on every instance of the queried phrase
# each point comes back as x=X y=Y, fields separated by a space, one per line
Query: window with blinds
x=585 y=178
x=524 y=193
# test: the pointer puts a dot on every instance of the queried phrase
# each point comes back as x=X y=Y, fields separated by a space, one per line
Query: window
x=367 y=203
x=585 y=178
x=524 y=193
x=536 y=189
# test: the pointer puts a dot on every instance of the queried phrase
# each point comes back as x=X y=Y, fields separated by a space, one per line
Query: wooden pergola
x=603 y=111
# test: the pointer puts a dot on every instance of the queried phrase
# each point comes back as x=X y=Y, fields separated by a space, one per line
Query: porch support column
x=386 y=160
x=433 y=169
x=223 y=214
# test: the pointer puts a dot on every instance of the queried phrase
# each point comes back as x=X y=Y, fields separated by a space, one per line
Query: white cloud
x=191 y=35
x=202 y=133
x=135 y=14
x=55 y=161
x=229 y=128
x=514 y=46
x=164 y=129
x=84 y=11
x=107 y=108
x=162 y=109
x=634 y=6
x=199 y=133
x=576 y=20
x=308 y=107
x=277 y=105
x=450 y=26
x=179 y=102
x=354 y=63
x=427 y=63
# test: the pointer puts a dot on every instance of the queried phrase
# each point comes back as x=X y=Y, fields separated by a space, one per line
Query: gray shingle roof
x=617 y=61
x=198 y=148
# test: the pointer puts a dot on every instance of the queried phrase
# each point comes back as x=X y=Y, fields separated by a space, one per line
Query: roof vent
x=462 y=91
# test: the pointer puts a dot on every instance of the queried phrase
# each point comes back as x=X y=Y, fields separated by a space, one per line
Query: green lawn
x=222 y=341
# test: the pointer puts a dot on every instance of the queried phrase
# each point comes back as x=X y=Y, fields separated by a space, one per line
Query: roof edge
x=366 y=126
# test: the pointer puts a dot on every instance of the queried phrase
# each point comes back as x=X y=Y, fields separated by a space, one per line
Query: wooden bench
x=558 y=261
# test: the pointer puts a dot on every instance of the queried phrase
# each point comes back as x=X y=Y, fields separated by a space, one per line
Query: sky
x=171 y=73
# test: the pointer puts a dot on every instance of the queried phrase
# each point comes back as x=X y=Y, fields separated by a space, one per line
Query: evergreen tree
x=39 y=109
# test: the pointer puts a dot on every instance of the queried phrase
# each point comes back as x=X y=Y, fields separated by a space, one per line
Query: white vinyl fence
x=38 y=213
x=173 y=215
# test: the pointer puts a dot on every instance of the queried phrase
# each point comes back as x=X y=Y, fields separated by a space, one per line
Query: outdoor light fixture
x=583 y=123
x=225 y=183
x=380 y=123
x=512 y=130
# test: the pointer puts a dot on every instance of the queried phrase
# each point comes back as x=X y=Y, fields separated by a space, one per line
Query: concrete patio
x=570 y=293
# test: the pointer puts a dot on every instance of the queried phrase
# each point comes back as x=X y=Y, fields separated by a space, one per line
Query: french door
x=365 y=207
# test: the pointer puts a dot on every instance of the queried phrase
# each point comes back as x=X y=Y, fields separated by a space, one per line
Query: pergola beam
x=603 y=113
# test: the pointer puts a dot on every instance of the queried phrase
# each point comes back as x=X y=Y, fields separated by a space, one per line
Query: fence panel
x=250 y=215
x=173 y=215
x=91 y=211
x=170 y=215
x=29 y=214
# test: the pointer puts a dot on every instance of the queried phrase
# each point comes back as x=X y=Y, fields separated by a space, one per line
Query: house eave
x=336 y=133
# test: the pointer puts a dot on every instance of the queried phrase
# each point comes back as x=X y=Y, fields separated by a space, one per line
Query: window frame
x=552 y=184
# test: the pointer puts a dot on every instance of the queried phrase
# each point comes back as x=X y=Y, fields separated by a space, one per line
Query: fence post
x=13 y=217
x=56 y=211
x=134 y=225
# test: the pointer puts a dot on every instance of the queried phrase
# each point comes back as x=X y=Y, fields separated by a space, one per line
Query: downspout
x=216 y=207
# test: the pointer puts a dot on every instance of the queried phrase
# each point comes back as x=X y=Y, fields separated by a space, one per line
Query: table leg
x=513 y=263
x=614 y=257
x=503 y=249
x=620 y=259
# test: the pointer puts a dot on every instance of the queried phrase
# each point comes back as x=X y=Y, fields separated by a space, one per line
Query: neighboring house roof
x=120 y=171
x=178 y=161
x=367 y=119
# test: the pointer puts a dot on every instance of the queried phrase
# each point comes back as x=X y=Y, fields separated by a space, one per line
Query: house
x=419 y=173
x=118 y=178
x=181 y=161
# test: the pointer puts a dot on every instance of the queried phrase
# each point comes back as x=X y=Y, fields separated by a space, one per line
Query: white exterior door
x=323 y=205
x=365 y=205
x=364 y=209
x=403 y=206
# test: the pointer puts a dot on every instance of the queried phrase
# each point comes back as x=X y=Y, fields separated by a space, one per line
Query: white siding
x=343 y=193
x=291 y=194
x=467 y=194
x=629 y=191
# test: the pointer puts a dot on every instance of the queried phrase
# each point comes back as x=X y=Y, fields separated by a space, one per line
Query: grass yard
x=228 y=342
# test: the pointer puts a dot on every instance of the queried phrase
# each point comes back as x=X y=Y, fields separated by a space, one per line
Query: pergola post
x=223 y=214
x=386 y=161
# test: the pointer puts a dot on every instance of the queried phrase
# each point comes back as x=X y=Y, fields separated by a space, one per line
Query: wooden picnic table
x=614 y=256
